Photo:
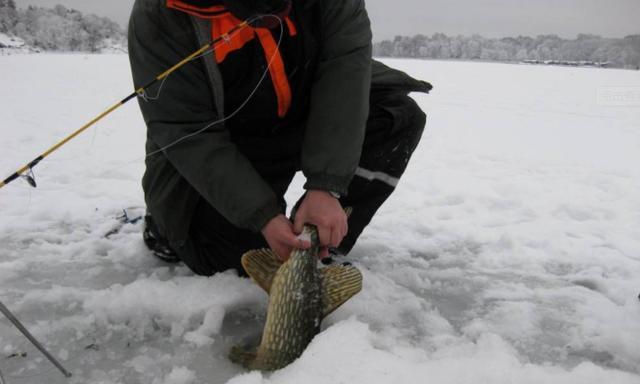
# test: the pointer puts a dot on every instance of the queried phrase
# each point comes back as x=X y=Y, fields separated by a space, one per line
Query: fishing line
x=212 y=44
x=215 y=122
x=93 y=139
x=144 y=96
x=237 y=110
x=30 y=177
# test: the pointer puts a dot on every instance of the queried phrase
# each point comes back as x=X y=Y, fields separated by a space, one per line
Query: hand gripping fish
x=300 y=296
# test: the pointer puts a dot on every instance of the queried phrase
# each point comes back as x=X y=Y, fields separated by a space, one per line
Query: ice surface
x=510 y=252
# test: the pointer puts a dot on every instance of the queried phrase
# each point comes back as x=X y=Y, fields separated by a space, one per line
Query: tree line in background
x=620 y=53
x=63 y=29
x=58 y=28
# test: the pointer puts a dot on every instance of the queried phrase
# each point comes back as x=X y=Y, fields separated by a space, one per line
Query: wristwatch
x=335 y=194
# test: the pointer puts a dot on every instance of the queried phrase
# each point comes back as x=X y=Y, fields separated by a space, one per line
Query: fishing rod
x=138 y=92
x=33 y=340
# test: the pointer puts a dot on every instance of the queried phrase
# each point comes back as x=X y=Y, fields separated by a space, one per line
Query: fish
x=301 y=295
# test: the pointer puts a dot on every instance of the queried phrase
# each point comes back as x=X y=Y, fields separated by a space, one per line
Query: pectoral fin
x=339 y=284
x=241 y=356
x=261 y=265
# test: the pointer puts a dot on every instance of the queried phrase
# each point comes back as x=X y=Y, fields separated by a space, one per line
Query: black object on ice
x=33 y=340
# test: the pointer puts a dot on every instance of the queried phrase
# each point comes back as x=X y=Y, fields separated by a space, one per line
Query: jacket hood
x=241 y=9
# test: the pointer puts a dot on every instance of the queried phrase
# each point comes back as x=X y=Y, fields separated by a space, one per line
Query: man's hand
x=279 y=235
x=323 y=210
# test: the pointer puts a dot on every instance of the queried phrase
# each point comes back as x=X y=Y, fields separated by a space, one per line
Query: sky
x=490 y=18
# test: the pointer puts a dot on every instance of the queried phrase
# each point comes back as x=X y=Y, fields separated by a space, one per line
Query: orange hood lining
x=222 y=22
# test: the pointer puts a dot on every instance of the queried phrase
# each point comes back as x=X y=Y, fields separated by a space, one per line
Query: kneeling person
x=294 y=90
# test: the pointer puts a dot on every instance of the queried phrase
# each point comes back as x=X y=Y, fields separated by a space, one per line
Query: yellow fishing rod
x=138 y=92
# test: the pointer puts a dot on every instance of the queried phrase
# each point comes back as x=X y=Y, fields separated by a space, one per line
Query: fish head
x=310 y=234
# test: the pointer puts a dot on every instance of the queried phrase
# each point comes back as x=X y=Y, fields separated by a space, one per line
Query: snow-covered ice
x=510 y=252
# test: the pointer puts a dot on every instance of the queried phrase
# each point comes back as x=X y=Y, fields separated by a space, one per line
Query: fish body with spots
x=300 y=296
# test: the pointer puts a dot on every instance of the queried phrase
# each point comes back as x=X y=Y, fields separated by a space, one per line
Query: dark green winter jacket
x=206 y=163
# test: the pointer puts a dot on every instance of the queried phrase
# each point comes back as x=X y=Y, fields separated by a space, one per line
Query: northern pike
x=301 y=295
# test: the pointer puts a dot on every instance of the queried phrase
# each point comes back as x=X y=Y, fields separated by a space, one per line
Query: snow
x=7 y=41
x=510 y=252
x=12 y=44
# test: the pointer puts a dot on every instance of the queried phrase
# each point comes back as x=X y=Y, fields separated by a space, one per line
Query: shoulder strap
x=203 y=33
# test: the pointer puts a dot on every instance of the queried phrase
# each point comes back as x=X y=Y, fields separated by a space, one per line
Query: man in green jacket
x=296 y=89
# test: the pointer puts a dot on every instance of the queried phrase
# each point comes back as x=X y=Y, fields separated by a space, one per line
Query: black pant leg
x=215 y=244
x=394 y=129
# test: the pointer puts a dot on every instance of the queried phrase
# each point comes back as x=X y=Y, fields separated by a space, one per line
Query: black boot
x=158 y=245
